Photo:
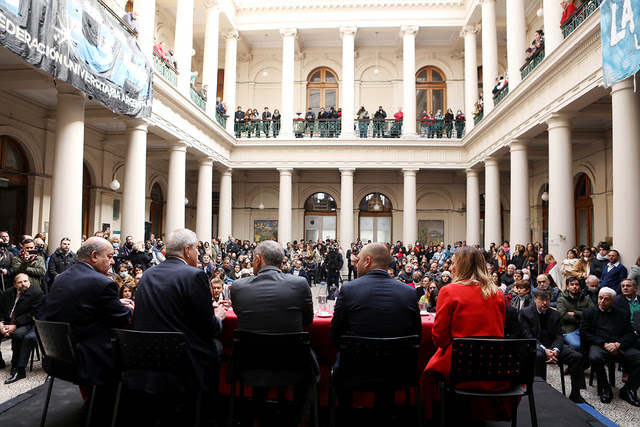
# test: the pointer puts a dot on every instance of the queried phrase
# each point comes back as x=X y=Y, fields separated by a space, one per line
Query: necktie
x=13 y=315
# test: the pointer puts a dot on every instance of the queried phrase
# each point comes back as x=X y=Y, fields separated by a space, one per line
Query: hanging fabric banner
x=620 y=35
x=81 y=43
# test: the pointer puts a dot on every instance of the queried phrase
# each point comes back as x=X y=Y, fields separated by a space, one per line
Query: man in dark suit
x=297 y=270
x=18 y=306
x=538 y=322
x=628 y=301
x=613 y=273
x=274 y=302
x=87 y=298
x=174 y=296
x=605 y=331
x=239 y=121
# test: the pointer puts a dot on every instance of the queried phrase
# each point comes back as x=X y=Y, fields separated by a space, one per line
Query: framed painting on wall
x=265 y=229
x=430 y=230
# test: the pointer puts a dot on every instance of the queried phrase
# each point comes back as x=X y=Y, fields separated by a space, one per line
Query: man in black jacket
x=606 y=332
x=378 y=124
x=62 y=259
x=601 y=260
x=18 y=306
x=538 y=322
x=309 y=118
x=239 y=121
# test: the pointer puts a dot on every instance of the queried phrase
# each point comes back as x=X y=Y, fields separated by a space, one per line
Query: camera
x=33 y=252
x=4 y=245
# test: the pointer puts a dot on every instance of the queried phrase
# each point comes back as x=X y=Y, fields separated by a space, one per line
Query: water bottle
x=227 y=291
x=323 y=292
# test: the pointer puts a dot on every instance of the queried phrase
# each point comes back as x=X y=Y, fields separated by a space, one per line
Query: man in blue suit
x=613 y=273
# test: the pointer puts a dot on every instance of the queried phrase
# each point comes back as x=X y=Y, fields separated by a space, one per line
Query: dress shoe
x=606 y=395
x=628 y=396
x=576 y=398
x=16 y=377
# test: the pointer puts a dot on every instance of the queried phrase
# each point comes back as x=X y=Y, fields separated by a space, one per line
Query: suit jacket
x=375 y=305
x=175 y=297
x=272 y=302
x=622 y=303
x=531 y=328
x=613 y=277
x=89 y=301
x=598 y=328
x=303 y=273
x=26 y=308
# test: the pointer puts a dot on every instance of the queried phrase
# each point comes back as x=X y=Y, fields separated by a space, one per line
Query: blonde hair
x=471 y=269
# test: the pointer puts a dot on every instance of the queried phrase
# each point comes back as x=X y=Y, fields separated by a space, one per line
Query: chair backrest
x=149 y=351
x=367 y=362
x=56 y=341
x=480 y=359
x=271 y=359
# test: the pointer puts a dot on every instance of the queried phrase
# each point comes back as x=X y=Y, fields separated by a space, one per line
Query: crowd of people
x=439 y=125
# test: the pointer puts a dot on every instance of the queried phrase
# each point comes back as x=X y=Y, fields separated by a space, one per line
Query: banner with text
x=79 y=42
x=620 y=42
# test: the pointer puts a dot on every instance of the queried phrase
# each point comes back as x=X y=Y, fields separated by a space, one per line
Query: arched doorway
x=13 y=187
x=431 y=89
x=156 y=210
x=584 y=211
x=86 y=200
x=375 y=222
x=320 y=217
x=322 y=89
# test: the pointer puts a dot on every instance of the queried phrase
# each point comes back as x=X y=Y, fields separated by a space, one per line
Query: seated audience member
x=18 y=307
x=407 y=274
x=606 y=333
x=634 y=274
x=507 y=277
x=434 y=274
x=141 y=254
x=207 y=265
x=601 y=260
x=512 y=328
x=521 y=295
x=126 y=293
x=447 y=278
x=544 y=283
x=628 y=301
x=297 y=270
x=61 y=259
x=567 y=10
x=216 y=288
x=570 y=306
x=123 y=277
x=592 y=288
x=29 y=262
x=538 y=322
x=613 y=273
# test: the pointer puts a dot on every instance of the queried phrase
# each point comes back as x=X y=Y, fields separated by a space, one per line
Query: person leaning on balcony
x=171 y=58
x=323 y=116
x=159 y=49
x=276 y=122
x=459 y=123
x=363 y=121
x=567 y=10
x=131 y=19
x=448 y=122
x=266 y=118
x=378 y=124
x=309 y=118
x=239 y=121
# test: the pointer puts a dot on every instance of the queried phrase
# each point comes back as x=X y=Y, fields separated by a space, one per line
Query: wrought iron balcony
x=585 y=10
x=372 y=128
x=477 y=119
x=165 y=69
x=197 y=98
x=532 y=63
x=256 y=128
x=117 y=18
x=501 y=95
x=222 y=120
x=441 y=128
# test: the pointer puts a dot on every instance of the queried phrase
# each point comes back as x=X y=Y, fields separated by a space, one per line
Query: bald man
x=375 y=305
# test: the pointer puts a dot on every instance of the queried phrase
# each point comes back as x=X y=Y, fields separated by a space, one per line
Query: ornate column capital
x=348 y=31
x=233 y=34
x=491 y=161
x=178 y=145
x=206 y=161
x=289 y=32
x=472 y=172
x=518 y=145
x=470 y=29
x=409 y=30
x=208 y=4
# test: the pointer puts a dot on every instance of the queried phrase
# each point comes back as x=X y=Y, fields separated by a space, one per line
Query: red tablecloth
x=325 y=351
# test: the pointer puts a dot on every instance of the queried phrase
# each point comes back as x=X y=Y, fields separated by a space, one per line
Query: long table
x=325 y=352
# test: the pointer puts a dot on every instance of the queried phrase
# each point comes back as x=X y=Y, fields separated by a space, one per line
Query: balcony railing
x=501 y=95
x=389 y=128
x=197 y=98
x=222 y=120
x=531 y=64
x=117 y=18
x=441 y=128
x=165 y=69
x=257 y=128
x=579 y=16
x=477 y=119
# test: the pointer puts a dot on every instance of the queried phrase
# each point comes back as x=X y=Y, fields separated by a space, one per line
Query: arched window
x=584 y=211
x=431 y=89
x=320 y=217
x=13 y=193
x=375 y=218
x=322 y=89
x=156 y=210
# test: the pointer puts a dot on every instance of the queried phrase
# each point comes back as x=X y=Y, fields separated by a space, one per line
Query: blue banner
x=619 y=31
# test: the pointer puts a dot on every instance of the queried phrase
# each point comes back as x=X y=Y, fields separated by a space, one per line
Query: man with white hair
x=606 y=333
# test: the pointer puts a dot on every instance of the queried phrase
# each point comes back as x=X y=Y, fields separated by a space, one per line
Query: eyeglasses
x=542 y=281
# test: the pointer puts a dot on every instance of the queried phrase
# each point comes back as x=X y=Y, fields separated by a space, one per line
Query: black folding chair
x=376 y=365
x=151 y=359
x=58 y=349
x=479 y=359
x=271 y=360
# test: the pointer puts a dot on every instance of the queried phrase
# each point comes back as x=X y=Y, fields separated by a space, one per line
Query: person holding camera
x=29 y=261
x=5 y=261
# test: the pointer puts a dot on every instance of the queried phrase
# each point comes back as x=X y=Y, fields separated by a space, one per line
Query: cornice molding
x=256 y=5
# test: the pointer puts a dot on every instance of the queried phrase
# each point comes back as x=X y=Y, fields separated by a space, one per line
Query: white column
x=516 y=41
x=520 y=227
x=409 y=217
x=225 y=206
x=473 y=208
x=288 y=62
x=562 y=224
x=469 y=33
x=65 y=219
x=489 y=52
x=205 y=192
x=284 y=206
x=552 y=32
x=230 y=65
x=348 y=35
x=346 y=207
x=492 y=211
x=184 y=44
x=408 y=33
x=146 y=26
x=135 y=181
x=626 y=174
x=176 y=187
x=210 y=62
